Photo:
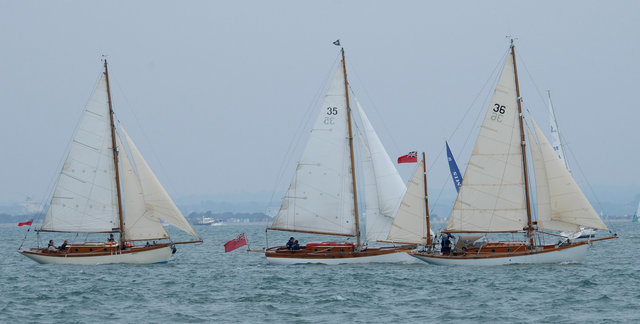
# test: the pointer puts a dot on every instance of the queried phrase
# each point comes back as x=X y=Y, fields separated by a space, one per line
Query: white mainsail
x=492 y=196
x=382 y=182
x=138 y=223
x=556 y=143
x=410 y=223
x=320 y=196
x=562 y=206
x=85 y=198
x=158 y=204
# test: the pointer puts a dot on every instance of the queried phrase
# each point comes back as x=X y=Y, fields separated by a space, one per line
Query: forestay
x=492 y=196
x=85 y=199
x=320 y=196
x=562 y=206
x=382 y=183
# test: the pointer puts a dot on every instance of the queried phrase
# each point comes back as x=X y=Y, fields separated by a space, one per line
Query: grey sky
x=214 y=92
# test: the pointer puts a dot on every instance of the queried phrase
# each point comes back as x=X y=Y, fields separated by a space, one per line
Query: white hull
x=398 y=257
x=161 y=255
x=575 y=254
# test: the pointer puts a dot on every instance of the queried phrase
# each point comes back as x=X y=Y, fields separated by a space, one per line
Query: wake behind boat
x=323 y=198
x=495 y=198
x=100 y=190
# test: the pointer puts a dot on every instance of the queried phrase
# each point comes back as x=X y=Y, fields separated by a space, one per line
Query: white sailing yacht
x=495 y=198
x=323 y=197
x=100 y=190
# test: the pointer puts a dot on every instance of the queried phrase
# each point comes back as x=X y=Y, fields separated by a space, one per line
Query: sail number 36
x=498 y=112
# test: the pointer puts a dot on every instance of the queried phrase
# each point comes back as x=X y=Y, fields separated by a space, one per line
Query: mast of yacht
x=523 y=146
x=426 y=201
x=353 y=169
x=115 y=155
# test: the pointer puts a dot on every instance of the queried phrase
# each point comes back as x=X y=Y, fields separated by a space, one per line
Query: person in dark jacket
x=295 y=246
x=445 y=244
x=290 y=243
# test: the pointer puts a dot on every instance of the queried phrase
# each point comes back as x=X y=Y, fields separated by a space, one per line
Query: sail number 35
x=331 y=111
x=498 y=112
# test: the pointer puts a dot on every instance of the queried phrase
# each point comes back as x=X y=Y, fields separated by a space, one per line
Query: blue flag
x=455 y=173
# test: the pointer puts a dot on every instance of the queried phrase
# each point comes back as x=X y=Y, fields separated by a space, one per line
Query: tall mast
x=523 y=146
x=115 y=155
x=353 y=169
x=426 y=200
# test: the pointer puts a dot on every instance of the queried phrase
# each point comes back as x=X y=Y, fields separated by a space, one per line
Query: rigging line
x=524 y=64
x=379 y=115
x=296 y=142
x=167 y=182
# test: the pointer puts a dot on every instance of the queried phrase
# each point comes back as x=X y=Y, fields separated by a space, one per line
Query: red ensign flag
x=237 y=242
x=412 y=157
x=26 y=223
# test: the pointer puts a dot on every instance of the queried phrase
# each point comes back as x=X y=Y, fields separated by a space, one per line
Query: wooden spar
x=523 y=145
x=187 y=242
x=301 y=231
x=115 y=155
x=426 y=200
x=353 y=169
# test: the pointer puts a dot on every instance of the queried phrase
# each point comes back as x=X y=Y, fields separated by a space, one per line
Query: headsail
x=556 y=142
x=410 y=223
x=158 y=204
x=84 y=199
x=320 y=196
x=492 y=196
x=139 y=224
x=561 y=205
x=383 y=185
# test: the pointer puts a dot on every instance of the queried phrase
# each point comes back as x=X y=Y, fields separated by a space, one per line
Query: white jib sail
x=85 y=199
x=555 y=134
x=320 y=196
x=138 y=223
x=158 y=204
x=383 y=185
x=492 y=196
x=410 y=223
x=567 y=203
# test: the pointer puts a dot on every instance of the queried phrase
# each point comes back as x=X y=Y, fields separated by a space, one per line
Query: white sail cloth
x=410 y=223
x=157 y=203
x=320 y=196
x=492 y=195
x=382 y=183
x=562 y=206
x=85 y=199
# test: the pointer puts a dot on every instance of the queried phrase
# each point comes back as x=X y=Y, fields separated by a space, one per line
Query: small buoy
x=173 y=250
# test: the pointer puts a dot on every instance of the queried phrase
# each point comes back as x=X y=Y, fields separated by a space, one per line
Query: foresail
x=492 y=196
x=158 y=204
x=410 y=223
x=85 y=198
x=383 y=185
x=138 y=223
x=320 y=196
x=555 y=135
x=567 y=202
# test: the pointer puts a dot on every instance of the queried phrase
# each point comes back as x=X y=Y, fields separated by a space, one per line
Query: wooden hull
x=280 y=255
x=96 y=253
x=573 y=253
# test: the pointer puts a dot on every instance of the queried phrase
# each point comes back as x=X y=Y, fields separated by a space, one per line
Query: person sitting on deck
x=110 y=240
x=446 y=244
x=290 y=243
x=295 y=246
x=52 y=247
x=63 y=246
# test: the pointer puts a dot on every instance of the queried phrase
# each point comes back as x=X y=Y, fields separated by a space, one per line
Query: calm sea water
x=203 y=284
